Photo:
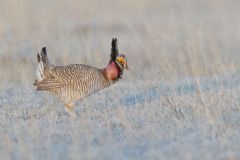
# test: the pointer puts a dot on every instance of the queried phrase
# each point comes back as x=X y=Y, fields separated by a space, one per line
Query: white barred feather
x=39 y=74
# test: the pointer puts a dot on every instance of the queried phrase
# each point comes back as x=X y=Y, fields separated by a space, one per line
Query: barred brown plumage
x=75 y=81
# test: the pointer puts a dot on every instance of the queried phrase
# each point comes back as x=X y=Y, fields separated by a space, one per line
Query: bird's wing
x=72 y=72
x=51 y=82
x=60 y=76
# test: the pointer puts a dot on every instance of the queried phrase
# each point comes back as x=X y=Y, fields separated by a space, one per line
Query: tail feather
x=42 y=56
x=45 y=80
x=43 y=64
x=39 y=58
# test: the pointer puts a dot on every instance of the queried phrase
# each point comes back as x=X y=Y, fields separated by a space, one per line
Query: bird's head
x=121 y=61
x=117 y=63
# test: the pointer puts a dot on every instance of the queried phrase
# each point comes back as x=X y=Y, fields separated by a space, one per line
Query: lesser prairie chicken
x=75 y=81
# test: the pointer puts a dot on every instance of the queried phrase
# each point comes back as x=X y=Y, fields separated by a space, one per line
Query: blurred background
x=179 y=100
x=163 y=40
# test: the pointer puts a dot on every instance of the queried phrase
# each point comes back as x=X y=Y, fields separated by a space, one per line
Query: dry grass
x=180 y=99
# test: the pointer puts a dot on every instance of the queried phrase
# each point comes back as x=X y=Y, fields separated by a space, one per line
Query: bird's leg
x=69 y=107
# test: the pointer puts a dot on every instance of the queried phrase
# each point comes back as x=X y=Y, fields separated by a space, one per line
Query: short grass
x=179 y=100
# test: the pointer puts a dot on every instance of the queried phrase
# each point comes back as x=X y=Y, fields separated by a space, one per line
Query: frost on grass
x=156 y=120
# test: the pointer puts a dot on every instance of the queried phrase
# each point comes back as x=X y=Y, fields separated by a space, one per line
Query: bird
x=75 y=81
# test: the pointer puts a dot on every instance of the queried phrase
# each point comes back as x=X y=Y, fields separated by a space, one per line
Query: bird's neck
x=111 y=72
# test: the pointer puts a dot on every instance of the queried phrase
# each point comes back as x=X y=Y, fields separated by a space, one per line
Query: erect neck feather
x=112 y=71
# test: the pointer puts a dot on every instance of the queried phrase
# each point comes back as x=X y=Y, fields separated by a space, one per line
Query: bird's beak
x=126 y=66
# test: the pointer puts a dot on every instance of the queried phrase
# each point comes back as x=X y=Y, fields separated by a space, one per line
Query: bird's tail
x=43 y=64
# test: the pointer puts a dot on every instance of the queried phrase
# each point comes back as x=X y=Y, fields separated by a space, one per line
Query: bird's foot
x=69 y=107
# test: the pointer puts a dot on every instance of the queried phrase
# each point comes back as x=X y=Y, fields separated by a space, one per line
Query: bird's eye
x=121 y=60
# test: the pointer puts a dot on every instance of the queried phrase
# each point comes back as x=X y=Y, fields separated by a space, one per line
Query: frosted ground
x=179 y=100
